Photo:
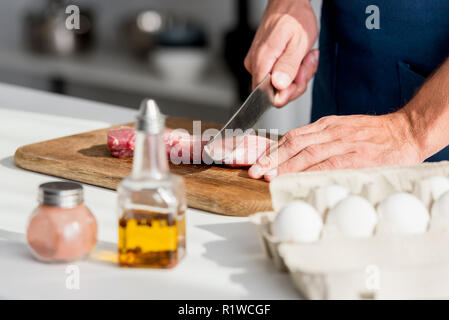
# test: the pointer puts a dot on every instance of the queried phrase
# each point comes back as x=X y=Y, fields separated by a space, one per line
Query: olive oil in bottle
x=151 y=200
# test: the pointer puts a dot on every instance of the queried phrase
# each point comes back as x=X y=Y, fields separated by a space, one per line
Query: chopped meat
x=185 y=148
x=121 y=142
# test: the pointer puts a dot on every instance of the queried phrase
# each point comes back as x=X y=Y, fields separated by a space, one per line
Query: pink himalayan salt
x=59 y=234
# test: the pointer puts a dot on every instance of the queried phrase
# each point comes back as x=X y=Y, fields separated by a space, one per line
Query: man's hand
x=282 y=46
x=342 y=142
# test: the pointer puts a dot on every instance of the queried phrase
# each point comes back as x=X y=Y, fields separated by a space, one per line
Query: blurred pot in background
x=176 y=47
x=46 y=31
x=140 y=32
x=180 y=63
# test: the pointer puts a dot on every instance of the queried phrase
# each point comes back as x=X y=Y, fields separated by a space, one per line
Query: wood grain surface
x=85 y=158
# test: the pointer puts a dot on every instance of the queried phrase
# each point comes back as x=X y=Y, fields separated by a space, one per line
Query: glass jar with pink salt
x=61 y=228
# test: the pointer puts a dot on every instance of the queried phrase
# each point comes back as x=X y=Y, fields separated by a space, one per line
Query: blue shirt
x=377 y=71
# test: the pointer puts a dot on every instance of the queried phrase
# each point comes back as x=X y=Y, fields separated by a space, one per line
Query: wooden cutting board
x=85 y=158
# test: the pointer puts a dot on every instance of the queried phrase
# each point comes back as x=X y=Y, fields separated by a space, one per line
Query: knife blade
x=258 y=102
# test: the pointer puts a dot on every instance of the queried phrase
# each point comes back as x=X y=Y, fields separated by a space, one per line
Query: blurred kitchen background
x=188 y=55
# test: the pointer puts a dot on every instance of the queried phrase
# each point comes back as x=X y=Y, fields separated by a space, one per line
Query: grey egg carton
x=380 y=267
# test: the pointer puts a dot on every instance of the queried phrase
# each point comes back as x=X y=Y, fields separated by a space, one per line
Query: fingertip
x=283 y=97
x=279 y=100
x=255 y=171
x=281 y=80
x=270 y=175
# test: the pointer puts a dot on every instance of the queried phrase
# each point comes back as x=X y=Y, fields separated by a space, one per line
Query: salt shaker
x=61 y=228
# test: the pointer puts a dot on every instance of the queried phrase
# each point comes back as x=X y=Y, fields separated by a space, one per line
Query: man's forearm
x=428 y=113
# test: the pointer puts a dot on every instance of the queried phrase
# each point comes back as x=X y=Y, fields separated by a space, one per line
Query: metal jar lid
x=150 y=119
x=60 y=194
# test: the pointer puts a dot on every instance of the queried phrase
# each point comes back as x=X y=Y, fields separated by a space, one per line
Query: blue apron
x=377 y=71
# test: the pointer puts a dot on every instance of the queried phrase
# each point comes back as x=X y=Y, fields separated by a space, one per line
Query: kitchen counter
x=224 y=258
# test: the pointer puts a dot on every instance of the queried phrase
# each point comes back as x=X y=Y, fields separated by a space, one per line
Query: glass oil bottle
x=151 y=200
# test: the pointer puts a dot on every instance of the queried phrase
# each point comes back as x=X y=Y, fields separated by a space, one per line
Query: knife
x=258 y=102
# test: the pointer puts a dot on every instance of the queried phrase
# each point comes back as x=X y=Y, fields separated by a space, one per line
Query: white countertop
x=224 y=258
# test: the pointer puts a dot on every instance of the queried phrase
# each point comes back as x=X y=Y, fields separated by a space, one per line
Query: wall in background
x=215 y=15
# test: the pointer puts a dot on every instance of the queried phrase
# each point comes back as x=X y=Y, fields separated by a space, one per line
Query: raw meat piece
x=121 y=142
x=185 y=148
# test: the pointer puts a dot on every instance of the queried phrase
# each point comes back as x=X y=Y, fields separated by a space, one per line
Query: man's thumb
x=286 y=67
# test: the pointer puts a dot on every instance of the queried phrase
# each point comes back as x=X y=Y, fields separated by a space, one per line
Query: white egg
x=430 y=189
x=402 y=213
x=354 y=217
x=326 y=197
x=297 y=222
x=440 y=212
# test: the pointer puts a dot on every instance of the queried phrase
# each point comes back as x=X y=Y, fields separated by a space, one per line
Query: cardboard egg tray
x=380 y=267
